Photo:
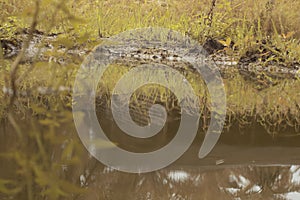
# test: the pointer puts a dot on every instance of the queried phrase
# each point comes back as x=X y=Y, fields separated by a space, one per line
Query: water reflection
x=239 y=177
x=239 y=182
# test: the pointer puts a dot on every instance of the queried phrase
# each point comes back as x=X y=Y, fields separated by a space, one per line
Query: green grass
x=244 y=22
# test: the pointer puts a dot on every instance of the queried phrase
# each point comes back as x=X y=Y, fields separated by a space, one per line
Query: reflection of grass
x=274 y=107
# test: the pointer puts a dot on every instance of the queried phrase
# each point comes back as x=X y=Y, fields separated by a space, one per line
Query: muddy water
x=241 y=166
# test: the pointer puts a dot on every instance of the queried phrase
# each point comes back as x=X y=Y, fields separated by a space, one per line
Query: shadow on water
x=240 y=167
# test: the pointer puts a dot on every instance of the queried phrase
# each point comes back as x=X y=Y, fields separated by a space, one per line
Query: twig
x=16 y=63
x=210 y=14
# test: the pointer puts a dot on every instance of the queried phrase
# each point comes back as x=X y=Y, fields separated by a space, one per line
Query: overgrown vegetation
x=243 y=22
x=39 y=122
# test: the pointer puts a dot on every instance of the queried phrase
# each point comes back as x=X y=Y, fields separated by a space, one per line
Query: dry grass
x=114 y=16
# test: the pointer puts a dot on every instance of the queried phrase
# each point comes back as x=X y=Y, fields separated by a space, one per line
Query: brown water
x=241 y=166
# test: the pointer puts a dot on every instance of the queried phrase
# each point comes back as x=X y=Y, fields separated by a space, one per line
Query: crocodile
x=250 y=70
x=256 y=72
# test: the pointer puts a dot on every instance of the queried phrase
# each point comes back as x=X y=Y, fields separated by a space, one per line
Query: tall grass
x=238 y=19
